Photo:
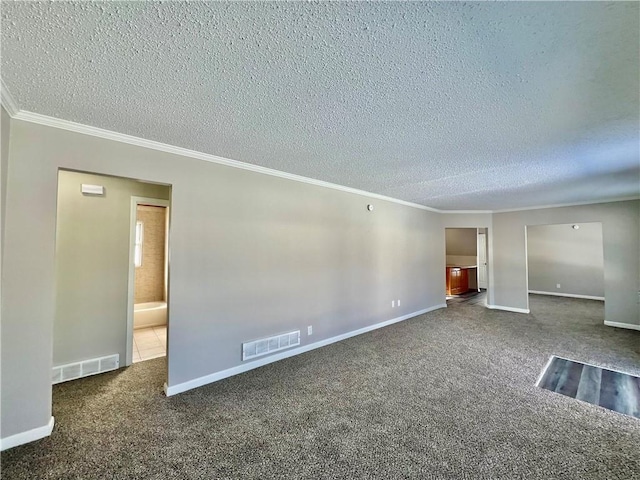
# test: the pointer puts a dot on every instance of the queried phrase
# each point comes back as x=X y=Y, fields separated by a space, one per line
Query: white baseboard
x=214 y=377
x=28 y=436
x=569 y=295
x=630 y=326
x=508 y=309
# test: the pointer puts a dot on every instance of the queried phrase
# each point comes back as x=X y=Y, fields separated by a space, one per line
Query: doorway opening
x=565 y=268
x=148 y=279
x=466 y=275
x=94 y=281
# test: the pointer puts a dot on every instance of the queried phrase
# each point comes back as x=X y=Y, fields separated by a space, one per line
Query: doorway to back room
x=466 y=272
x=93 y=324
x=150 y=246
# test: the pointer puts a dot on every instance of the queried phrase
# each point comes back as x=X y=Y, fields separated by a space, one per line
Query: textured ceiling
x=449 y=105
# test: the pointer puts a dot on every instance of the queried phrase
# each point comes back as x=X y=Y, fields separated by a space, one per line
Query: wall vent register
x=71 y=371
x=258 y=348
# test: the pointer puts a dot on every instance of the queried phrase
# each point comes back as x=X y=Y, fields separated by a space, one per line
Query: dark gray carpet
x=446 y=395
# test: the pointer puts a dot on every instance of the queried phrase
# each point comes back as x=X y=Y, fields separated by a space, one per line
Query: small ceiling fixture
x=370 y=207
x=575 y=227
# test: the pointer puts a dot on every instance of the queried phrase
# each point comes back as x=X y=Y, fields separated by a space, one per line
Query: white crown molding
x=163 y=147
x=37 y=118
x=465 y=212
x=574 y=204
x=7 y=100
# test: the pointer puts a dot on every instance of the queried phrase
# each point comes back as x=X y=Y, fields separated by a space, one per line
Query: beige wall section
x=467 y=220
x=559 y=254
x=92 y=265
x=621 y=239
x=149 y=285
x=251 y=255
x=5 y=125
x=462 y=241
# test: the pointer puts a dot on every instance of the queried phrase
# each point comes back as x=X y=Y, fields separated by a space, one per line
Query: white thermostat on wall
x=92 y=189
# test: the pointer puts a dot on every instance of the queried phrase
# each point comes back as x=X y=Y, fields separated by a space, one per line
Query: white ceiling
x=451 y=105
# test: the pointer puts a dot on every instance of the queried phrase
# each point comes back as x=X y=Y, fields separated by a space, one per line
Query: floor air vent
x=71 y=371
x=257 y=348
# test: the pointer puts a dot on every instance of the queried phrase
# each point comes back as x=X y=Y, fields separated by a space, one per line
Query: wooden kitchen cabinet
x=457 y=280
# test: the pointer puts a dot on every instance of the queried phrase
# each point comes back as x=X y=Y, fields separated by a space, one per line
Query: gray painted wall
x=559 y=254
x=92 y=265
x=251 y=255
x=5 y=127
x=254 y=255
x=27 y=289
x=621 y=240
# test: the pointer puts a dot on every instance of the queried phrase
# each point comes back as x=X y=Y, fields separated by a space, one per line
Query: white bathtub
x=150 y=314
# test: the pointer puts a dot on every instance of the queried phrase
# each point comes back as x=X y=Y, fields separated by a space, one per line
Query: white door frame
x=486 y=266
x=135 y=201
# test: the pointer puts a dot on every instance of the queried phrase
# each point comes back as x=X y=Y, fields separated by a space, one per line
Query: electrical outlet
x=393 y=303
x=398 y=302
x=557 y=285
x=309 y=330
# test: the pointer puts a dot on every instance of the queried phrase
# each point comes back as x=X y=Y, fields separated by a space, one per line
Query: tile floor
x=149 y=343
x=472 y=297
